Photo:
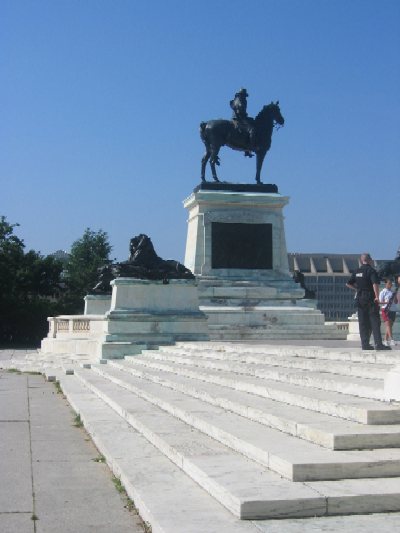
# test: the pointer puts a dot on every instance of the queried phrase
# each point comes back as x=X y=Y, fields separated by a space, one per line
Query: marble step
x=168 y=499
x=389 y=357
x=277 y=335
x=284 y=307
x=117 y=349
x=364 y=387
x=309 y=351
x=341 y=405
x=246 y=488
x=239 y=332
x=294 y=459
x=347 y=368
x=228 y=348
x=173 y=503
x=324 y=430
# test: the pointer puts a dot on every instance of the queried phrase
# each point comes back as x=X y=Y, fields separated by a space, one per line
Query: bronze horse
x=217 y=133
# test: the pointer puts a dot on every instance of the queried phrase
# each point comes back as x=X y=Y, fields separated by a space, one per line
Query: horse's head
x=276 y=113
x=272 y=113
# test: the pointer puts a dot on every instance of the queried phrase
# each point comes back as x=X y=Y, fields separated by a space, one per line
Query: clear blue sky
x=102 y=100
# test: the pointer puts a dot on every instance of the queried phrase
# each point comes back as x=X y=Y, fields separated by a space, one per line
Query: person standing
x=365 y=281
x=386 y=299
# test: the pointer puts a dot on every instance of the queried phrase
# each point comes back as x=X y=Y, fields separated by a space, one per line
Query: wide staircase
x=212 y=437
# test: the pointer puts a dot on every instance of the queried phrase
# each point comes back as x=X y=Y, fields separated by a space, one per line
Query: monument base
x=153 y=311
x=143 y=314
x=250 y=310
x=236 y=247
x=97 y=304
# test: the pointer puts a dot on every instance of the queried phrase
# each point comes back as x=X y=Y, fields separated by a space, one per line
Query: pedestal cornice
x=231 y=198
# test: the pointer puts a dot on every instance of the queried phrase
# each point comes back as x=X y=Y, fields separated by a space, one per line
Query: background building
x=61 y=255
x=326 y=275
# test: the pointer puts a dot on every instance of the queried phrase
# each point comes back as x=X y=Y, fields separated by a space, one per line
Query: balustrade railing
x=342 y=326
x=62 y=325
x=80 y=325
x=68 y=325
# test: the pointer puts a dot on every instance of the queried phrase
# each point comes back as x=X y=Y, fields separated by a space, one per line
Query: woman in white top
x=389 y=307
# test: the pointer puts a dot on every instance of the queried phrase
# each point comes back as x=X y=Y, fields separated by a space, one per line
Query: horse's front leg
x=214 y=160
x=259 y=163
x=204 y=160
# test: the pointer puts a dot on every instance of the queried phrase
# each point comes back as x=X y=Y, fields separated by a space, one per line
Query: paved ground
x=52 y=478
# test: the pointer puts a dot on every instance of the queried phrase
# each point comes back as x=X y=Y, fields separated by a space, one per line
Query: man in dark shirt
x=365 y=281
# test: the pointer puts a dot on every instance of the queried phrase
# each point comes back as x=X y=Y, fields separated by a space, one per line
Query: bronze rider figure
x=243 y=123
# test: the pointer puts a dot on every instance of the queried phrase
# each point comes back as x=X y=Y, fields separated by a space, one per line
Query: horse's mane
x=264 y=110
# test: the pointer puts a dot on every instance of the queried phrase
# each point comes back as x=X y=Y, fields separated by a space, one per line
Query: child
x=386 y=299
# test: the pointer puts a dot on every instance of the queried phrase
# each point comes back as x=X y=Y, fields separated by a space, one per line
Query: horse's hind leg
x=204 y=160
x=214 y=160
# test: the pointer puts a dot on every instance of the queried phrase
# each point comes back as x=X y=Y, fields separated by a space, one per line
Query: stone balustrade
x=62 y=325
x=67 y=325
x=342 y=326
x=80 y=325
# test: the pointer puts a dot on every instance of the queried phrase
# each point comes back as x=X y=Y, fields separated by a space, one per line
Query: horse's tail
x=202 y=128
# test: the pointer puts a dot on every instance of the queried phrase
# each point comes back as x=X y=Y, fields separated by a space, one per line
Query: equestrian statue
x=249 y=135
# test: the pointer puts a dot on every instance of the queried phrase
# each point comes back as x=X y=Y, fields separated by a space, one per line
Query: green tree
x=11 y=257
x=29 y=289
x=87 y=255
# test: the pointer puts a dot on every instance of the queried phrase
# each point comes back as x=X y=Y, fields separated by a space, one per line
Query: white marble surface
x=368 y=388
x=329 y=402
x=392 y=384
x=293 y=458
x=138 y=295
x=173 y=398
x=168 y=499
x=322 y=429
x=231 y=478
x=241 y=485
x=141 y=313
x=206 y=207
x=368 y=523
x=248 y=303
x=97 y=304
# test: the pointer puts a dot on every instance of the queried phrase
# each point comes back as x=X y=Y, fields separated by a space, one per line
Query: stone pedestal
x=236 y=247
x=141 y=314
x=237 y=235
x=354 y=332
x=97 y=304
x=151 y=311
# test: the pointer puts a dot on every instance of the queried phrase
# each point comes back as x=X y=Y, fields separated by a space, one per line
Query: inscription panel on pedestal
x=246 y=246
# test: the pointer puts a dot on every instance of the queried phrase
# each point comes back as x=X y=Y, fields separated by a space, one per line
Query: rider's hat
x=243 y=92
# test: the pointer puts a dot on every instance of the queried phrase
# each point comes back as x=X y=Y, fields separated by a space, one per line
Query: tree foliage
x=29 y=289
x=87 y=255
x=34 y=287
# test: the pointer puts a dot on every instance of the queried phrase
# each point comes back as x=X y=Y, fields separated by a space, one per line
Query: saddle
x=246 y=133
